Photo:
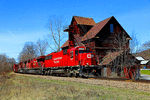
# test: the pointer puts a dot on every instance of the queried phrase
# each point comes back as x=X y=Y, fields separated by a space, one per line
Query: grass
x=31 y=88
x=145 y=72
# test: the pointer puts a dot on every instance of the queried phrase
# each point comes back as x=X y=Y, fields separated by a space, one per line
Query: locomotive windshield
x=85 y=51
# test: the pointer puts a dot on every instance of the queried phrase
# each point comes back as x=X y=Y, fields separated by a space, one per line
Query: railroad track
x=121 y=79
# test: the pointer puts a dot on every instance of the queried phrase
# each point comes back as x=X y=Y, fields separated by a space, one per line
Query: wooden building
x=102 y=37
x=106 y=38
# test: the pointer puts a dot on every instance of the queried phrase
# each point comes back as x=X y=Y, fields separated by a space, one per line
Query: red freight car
x=16 y=67
x=29 y=64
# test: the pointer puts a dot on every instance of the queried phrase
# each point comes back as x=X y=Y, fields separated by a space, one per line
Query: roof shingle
x=65 y=44
x=84 y=20
x=95 y=29
x=110 y=57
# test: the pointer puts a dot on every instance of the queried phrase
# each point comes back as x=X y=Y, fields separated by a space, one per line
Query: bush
x=6 y=64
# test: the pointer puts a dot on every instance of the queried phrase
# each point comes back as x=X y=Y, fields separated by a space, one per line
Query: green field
x=145 y=72
x=30 y=88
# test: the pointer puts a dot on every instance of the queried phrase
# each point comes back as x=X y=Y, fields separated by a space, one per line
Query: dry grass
x=30 y=88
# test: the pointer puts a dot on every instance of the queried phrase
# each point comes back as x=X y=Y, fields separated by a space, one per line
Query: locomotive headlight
x=92 y=55
x=87 y=63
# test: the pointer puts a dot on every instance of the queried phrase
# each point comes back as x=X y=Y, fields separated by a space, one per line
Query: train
x=77 y=61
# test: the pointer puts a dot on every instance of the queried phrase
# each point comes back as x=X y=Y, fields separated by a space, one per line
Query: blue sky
x=25 y=20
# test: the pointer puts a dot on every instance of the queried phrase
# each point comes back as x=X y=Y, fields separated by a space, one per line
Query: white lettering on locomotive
x=56 y=62
x=58 y=58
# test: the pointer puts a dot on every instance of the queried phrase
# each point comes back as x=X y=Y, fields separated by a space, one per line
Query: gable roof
x=98 y=27
x=84 y=20
x=95 y=29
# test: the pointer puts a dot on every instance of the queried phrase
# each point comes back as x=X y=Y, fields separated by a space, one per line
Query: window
x=28 y=61
x=111 y=28
x=87 y=49
x=42 y=59
x=71 y=54
x=65 y=52
x=76 y=52
x=84 y=51
x=48 y=57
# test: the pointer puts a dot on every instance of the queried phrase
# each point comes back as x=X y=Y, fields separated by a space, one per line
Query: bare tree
x=56 y=35
x=120 y=45
x=145 y=48
x=6 y=63
x=41 y=47
x=119 y=51
x=134 y=43
x=11 y=61
x=29 y=51
x=3 y=62
x=124 y=59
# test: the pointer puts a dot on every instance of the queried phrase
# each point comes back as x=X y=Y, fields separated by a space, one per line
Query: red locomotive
x=72 y=62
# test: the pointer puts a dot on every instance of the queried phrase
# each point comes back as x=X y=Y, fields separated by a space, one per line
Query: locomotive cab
x=81 y=56
x=83 y=59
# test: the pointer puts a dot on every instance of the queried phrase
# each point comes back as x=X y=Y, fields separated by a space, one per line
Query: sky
x=26 y=20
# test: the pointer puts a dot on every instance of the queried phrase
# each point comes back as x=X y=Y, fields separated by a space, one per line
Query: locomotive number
x=56 y=62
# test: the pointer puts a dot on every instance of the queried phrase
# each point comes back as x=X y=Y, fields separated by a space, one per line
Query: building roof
x=95 y=29
x=144 y=62
x=110 y=57
x=98 y=27
x=84 y=20
x=65 y=44
x=140 y=58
